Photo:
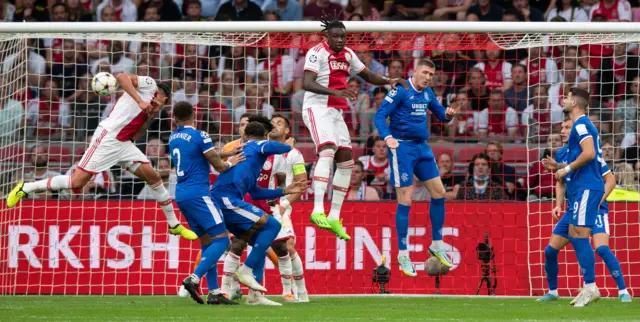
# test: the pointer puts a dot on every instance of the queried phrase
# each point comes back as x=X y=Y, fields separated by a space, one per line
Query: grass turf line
x=172 y=308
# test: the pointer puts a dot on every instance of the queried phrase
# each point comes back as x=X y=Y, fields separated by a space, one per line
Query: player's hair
x=255 y=130
x=166 y=89
x=278 y=115
x=496 y=143
x=182 y=111
x=582 y=96
x=266 y=123
x=425 y=62
x=330 y=22
x=247 y=115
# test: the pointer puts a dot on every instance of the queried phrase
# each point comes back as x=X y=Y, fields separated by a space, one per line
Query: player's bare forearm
x=310 y=84
x=129 y=83
x=588 y=153
x=143 y=130
x=226 y=154
x=609 y=185
x=296 y=196
x=216 y=161
x=560 y=190
x=373 y=78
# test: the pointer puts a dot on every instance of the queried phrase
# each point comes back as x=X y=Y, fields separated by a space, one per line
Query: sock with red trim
x=341 y=180
x=164 y=199
x=56 y=183
x=321 y=179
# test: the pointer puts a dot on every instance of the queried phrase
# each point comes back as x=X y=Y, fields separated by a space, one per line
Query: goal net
x=507 y=82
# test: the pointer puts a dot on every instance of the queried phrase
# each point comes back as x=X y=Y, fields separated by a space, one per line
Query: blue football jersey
x=589 y=176
x=243 y=177
x=407 y=113
x=187 y=147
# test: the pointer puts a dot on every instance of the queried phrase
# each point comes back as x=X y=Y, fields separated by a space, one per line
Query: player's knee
x=272 y=224
x=603 y=251
x=403 y=196
x=291 y=250
x=549 y=251
x=280 y=248
x=328 y=151
x=79 y=179
x=237 y=246
x=439 y=193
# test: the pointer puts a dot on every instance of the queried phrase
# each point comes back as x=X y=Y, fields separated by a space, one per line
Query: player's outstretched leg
x=208 y=265
x=320 y=182
x=265 y=236
x=341 y=180
x=76 y=180
x=601 y=243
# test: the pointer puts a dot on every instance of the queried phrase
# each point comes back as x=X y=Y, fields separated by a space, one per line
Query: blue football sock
x=586 y=258
x=209 y=260
x=612 y=264
x=262 y=242
x=551 y=267
x=436 y=214
x=258 y=272
x=402 y=225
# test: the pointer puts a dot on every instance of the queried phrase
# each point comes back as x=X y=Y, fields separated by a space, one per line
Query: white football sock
x=298 y=273
x=164 y=199
x=437 y=244
x=321 y=179
x=341 y=180
x=284 y=265
x=403 y=253
x=620 y=292
x=231 y=263
x=56 y=183
x=554 y=292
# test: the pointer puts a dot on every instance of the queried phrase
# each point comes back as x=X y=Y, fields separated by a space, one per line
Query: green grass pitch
x=395 y=308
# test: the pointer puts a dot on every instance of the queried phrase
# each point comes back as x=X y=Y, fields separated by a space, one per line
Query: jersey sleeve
x=391 y=101
x=356 y=65
x=435 y=106
x=271 y=147
x=296 y=161
x=604 y=168
x=582 y=132
x=146 y=85
x=312 y=61
x=206 y=144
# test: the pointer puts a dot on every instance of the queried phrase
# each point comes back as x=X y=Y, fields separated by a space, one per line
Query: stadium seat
x=438 y=150
x=520 y=155
x=465 y=155
x=15 y=153
x=61 y=154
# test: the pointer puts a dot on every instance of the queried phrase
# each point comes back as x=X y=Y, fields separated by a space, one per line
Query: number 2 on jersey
x=176 y=152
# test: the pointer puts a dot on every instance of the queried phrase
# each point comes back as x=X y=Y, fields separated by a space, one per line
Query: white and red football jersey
x=543 y=70
x=371 y=165
x=495 y=76
x=620 y=10
x=126 y=117
x=333 y=70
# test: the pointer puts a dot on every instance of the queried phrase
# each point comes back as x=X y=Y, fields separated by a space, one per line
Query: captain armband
x=298 y=169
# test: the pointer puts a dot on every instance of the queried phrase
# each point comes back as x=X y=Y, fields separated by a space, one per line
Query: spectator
x=383 y=6
x=123 y=10
x=70 y=69
x=215 y=116
x=626 y=115
x=358 y=107
x=363 y=8
x=31 y=12
x=512 y=15
x=189 y=92
x=7 y=11
x=465 y=124
x=86 y=107
x=366 y=115
x=376 y=168
x=395 y=70
x=167 y=9
x=608 y=153
x=496 y=70
x=359 y=189
x=420 y=192
x=542 y=182
x=517 y=97
x=239 y=62
x=450 y=181
x=256 y=102
x=413 y=10
x=454 y=64
x=496 y=120
x=287 y=10
x=11 y=117
x=320 y=8
x=59 y=13
x=615 y=72
x=366 y=56
x=280 y=66
x=39 y=170
x=568 y=80
x=229 y=92
x=151 y=14
x=77 y=12
x=118 y=62
x=529 y=13
x=194 y=11
x=169 y=179
x=150 y=55
x=486 y=11
x=155 y=150
x=451 y=10
x=191 y=63
x=538 y=119
x=500 y=172
x=569 y=10
x=48 y=116
x=480 y=185
x=241 y=10
x=103 y=183
x=611 y=10
x=477 y=92
x=541 y=69
x=627 y=188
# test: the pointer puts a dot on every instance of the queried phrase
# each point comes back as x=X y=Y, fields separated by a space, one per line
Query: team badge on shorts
x=404 y=177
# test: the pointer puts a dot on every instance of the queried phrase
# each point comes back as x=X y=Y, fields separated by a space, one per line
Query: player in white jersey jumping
x=112 y=144
x=327 y=67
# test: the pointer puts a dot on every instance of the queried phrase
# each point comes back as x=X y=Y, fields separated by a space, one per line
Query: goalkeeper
x=409 y=154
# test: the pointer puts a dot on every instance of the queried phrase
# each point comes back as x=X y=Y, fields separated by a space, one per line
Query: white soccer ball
x=104 y=84
x=182 y=292
x=434 y=267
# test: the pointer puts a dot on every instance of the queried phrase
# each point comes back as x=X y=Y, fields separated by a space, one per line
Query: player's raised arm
x=375 y=79
x=391 y=101
x=436 y=108
x=129 y=84
x=271 y=147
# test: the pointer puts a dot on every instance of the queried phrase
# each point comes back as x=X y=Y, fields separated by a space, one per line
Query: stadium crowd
x=505 y=99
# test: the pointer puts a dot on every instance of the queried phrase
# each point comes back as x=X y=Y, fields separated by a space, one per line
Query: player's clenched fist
x=290 y=142
x=347 y=93
x=144 y=106
x=392 y=143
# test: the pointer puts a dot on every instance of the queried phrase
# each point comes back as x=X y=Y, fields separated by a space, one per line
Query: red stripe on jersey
x=129 y=130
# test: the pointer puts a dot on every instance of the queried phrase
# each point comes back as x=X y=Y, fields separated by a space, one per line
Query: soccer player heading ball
x=111 y=144
x=327 y=67
x=409 y=154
